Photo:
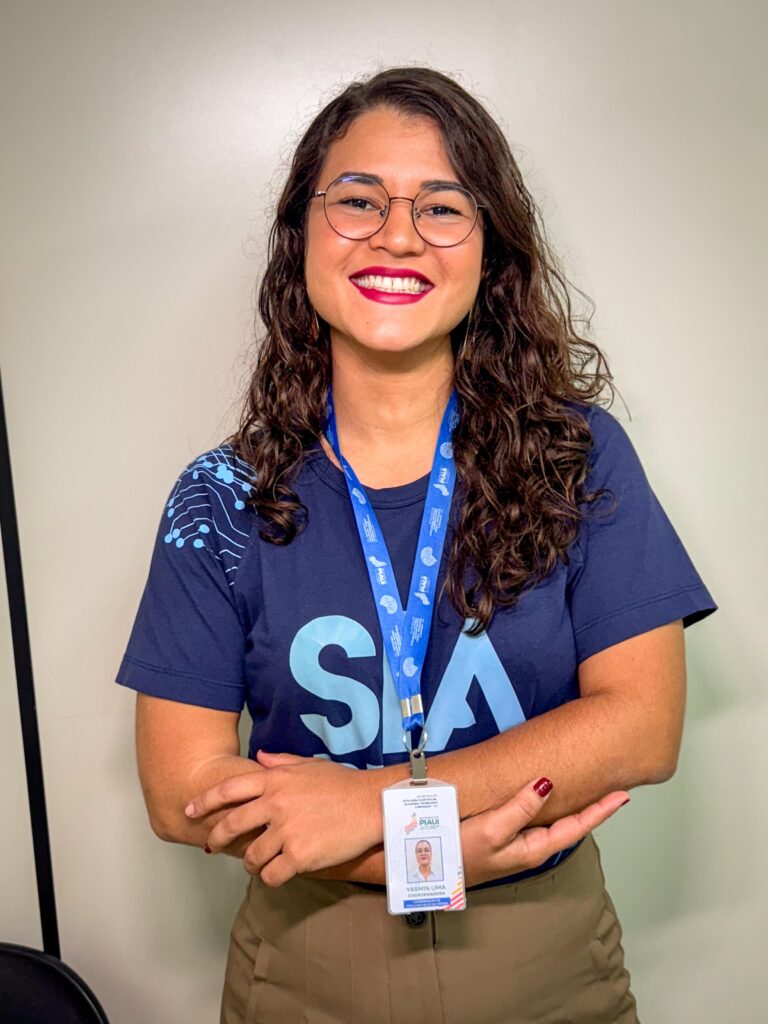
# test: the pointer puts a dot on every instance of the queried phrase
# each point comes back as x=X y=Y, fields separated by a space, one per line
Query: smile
x=391 y=289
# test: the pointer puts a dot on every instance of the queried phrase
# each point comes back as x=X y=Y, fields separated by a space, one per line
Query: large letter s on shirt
x=357 y=642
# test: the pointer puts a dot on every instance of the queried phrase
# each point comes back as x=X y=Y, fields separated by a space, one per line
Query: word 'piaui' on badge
x=422 y=847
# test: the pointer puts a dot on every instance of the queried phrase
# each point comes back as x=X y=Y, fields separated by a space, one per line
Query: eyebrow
x=430 y=183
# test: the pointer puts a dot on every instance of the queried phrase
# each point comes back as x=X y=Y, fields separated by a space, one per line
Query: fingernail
x=207 y=848
x=624 y=802
x=189 y=809
x=543 y=786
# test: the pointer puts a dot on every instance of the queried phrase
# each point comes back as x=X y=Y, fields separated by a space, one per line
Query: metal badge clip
x=417 y=758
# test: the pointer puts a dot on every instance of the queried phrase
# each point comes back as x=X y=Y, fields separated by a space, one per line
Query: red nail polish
x=624 y=802
x=207 y=848
x=543 y=786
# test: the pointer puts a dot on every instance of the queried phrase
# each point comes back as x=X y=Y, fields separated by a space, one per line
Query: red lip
x=391 y=298
x=391 y=272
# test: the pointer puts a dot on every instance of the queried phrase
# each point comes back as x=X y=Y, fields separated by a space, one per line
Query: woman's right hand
x=497 y=843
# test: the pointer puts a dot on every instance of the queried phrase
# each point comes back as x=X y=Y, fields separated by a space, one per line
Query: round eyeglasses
x=357 y=207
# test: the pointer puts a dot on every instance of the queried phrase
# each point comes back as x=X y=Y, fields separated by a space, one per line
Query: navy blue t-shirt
x=227 y=619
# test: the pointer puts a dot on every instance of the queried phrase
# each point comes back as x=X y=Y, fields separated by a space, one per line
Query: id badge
x=422 y=847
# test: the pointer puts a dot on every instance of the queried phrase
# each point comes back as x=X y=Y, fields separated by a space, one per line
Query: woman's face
x=423 y=853
x=404 y=152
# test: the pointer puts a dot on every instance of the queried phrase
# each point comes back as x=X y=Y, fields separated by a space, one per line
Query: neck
x=389 y=407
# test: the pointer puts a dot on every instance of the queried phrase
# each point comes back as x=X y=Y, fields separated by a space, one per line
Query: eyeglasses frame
x=323 y=192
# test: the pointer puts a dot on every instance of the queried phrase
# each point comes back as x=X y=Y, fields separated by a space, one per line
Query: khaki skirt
x=545 y=950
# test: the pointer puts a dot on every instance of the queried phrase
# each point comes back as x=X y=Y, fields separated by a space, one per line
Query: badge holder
x=422 y=840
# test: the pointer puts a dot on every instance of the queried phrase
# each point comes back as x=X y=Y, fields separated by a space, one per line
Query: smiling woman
x=426 y=531
x=355 y=260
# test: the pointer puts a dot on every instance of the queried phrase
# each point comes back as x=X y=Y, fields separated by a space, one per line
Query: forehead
x=403 y=150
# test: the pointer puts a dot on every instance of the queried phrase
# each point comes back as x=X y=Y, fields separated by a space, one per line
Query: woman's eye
x=358 y=203
x=440 y=211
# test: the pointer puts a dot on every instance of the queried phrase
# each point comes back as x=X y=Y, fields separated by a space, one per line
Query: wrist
x=374 y=781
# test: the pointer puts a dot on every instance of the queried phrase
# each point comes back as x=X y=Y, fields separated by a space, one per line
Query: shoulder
x=603 y=424
x=221 y=472
x=612 y=452
x=207 y=509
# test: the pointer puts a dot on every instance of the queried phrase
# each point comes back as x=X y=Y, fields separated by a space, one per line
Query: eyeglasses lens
x=357 y=209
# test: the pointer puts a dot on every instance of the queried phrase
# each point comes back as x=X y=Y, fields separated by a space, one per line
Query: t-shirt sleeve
x=188 y=639
x=632 y=572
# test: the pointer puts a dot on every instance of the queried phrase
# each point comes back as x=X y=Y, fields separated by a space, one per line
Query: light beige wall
x=143 y=144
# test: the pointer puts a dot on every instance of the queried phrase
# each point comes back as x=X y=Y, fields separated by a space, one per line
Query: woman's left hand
x=316 y=814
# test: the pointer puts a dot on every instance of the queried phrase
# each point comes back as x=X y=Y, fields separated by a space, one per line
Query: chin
x=389 y=341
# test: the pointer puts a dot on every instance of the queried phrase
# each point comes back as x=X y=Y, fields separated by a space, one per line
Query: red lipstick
x=392 y=298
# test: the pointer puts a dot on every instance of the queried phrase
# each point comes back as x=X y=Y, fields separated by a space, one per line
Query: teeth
x=410 y=285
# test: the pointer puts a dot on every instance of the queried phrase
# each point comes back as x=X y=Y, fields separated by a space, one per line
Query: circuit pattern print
x=203 y=506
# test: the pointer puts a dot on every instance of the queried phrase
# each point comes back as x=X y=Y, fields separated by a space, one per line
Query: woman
x=423 y=872
x=408 y=271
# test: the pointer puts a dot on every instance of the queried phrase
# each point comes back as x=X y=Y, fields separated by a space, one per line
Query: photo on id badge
x=422 y=848
x=424 y=858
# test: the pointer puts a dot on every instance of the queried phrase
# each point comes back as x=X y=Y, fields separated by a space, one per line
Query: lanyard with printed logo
x=405 y=632
x=417 y=810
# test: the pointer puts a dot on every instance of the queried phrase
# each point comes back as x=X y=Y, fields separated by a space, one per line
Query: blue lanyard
x=405 y=634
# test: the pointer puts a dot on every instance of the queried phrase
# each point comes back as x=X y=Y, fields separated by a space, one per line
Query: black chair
x=35 y=987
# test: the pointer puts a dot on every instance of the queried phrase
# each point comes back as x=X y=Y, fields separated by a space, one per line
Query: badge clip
x=417 y=758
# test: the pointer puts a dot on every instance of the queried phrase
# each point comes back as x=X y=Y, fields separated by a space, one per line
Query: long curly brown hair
x=521 y=370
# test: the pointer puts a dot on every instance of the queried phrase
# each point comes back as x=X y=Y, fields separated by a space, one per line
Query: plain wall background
x=143 y=144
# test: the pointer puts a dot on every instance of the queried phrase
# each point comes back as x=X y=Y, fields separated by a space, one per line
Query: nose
x=398 y=234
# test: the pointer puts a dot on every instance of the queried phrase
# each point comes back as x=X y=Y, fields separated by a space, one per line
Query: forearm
x=172 y=824
x=587 y=747
x=368 y=867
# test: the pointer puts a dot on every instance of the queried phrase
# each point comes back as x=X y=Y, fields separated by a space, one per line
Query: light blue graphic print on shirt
x=217 y=476
x=473 y=658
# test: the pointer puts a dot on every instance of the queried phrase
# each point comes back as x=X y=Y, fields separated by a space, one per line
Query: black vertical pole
x=26 y=687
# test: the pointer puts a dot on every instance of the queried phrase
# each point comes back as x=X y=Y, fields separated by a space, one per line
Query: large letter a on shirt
x=472 y=658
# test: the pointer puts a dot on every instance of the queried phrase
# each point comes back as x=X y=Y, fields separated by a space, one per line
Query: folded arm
x=623 y=731
x=182 y=750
